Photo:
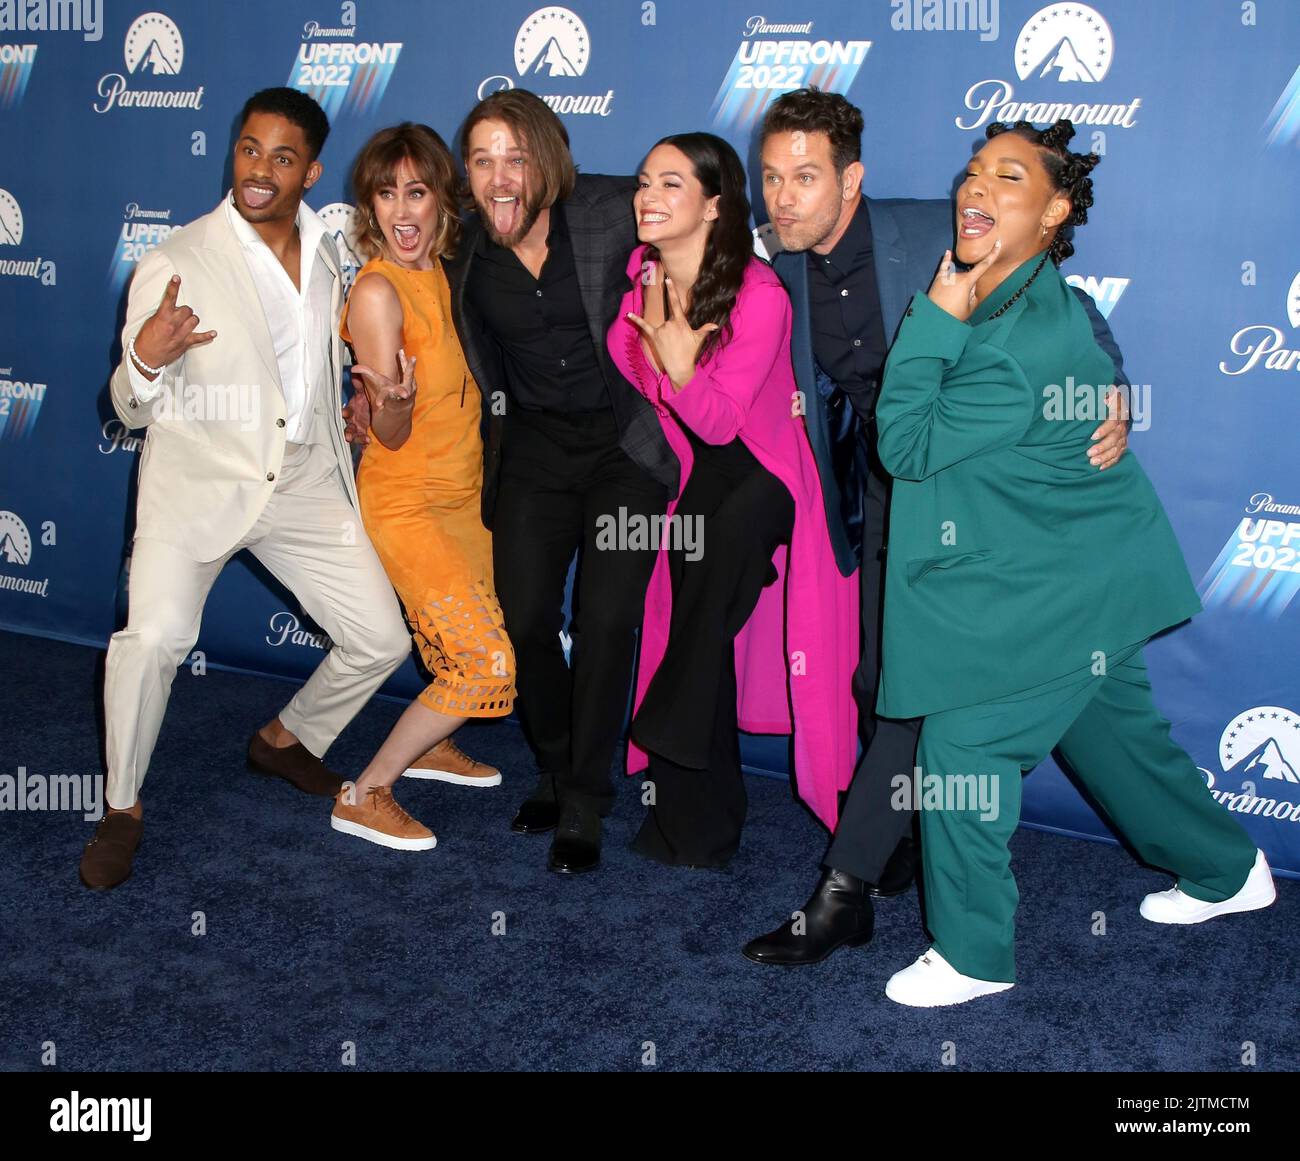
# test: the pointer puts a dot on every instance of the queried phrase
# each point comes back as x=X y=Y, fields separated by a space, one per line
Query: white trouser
x=311 y=540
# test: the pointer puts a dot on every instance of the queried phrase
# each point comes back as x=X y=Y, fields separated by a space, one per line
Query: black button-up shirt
x=848 y=334
x=539 y=324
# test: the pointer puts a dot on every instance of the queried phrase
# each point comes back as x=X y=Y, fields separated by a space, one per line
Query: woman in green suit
x=1022 y=585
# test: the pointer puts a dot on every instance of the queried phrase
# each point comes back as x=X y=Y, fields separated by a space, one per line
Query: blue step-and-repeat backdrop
x=117 y=120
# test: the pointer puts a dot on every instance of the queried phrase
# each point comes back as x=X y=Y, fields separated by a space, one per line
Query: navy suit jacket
x=909 y=236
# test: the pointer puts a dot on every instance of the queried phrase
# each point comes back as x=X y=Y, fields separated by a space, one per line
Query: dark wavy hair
x=730 y=244
x=813 y=111
x=1068 y=172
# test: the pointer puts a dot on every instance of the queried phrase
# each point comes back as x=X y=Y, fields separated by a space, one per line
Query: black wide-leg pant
x=741 y=514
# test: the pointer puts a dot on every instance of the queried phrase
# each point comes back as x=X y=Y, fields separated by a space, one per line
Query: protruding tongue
x=257 y=198
x=503 y=216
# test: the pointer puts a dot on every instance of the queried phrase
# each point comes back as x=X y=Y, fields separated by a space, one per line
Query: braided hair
x=1068 y=173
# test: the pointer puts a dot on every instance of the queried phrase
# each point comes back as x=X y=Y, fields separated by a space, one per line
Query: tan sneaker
x=447 y=762
x=380 y=819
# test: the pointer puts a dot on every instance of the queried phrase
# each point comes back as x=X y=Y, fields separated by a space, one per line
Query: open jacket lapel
x=231 y=269
x=892 y=281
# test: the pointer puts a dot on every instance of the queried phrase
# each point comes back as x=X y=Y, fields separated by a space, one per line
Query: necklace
x=1010 y=302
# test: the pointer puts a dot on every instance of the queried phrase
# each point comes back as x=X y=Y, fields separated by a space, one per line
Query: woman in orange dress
x=421 y=476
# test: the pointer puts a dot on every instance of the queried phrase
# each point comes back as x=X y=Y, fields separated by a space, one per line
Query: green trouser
x=1118 y=745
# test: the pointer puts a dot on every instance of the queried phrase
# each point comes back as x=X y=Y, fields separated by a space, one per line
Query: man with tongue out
x=540 y=277
x=231 y=360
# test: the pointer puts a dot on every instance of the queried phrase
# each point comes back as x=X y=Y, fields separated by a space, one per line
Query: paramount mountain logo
x=15 y=540
x=1258 y=569
x=16 y=63
x=153 y=49
x=1260 y=748
x=154 y=45
x=553 y=42
x=11 y=234
x=11 y=219
x=341 y=223
x=1067 y=44
x=1263 y=345
x=1249 y=742
x=16 y=549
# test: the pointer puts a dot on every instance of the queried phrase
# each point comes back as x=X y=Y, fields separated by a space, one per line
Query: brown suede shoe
x=106 y=861
x=447 y=762
x=296 y=764
x=380 y=819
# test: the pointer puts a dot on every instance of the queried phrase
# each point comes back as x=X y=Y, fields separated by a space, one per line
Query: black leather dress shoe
x=536 y=816
x=899 y=871
x=576 y=845
x=838 y=914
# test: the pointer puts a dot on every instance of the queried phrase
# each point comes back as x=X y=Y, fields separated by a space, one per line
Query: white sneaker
x=1173 y=906
x=932 y=982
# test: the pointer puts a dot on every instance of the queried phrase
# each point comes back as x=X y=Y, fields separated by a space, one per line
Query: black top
x=539 y=324
x=848 y=334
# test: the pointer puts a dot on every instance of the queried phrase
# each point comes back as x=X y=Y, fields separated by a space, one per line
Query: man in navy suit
x=851 y=264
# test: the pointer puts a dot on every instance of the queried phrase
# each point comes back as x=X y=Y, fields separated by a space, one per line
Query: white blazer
x=215 y=441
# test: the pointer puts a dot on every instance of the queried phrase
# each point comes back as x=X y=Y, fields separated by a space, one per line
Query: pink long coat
x=799 y=648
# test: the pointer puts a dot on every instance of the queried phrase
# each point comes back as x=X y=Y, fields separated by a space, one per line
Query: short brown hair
x=538 y=130
x=812 y=111
x=376 y=168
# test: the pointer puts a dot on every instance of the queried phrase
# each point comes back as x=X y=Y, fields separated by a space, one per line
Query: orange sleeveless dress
x=421 y=508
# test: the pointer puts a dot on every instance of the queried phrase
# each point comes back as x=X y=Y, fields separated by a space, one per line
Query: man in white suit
x=245 y=449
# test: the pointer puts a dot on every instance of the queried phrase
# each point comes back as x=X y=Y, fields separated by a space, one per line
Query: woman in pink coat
x=747 y=618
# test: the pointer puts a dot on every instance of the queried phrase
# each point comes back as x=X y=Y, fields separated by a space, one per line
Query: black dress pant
x=560 y=473
x=687 y=720
x=870 y=829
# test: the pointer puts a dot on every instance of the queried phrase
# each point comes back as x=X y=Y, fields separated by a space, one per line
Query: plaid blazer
x=602 y=230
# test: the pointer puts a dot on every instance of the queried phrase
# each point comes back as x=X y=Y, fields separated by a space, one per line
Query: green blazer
x=1011 y=560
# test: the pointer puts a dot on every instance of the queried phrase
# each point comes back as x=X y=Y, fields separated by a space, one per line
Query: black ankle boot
x=838 y=913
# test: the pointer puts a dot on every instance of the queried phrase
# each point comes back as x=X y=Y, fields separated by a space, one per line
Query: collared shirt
x=848 y=333
x=299 y=321
x=540 y=324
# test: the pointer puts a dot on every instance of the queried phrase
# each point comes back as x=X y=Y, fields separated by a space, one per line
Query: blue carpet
x=314 y=940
